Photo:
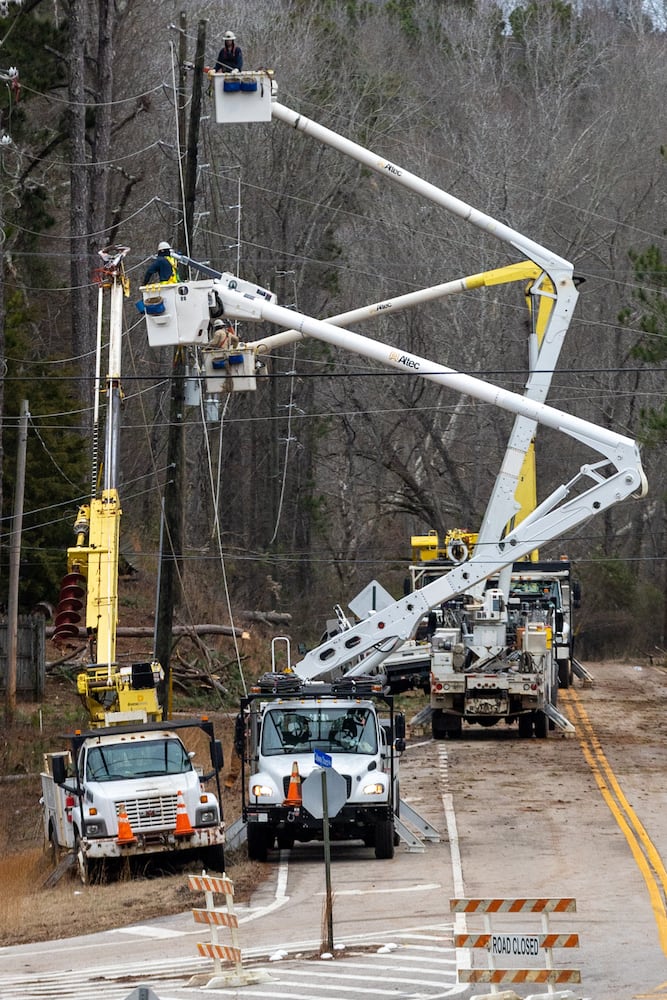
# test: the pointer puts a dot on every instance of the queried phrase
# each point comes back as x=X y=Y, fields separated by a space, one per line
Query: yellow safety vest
x=174 y=272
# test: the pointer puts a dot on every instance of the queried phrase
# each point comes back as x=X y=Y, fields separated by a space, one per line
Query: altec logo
x=404 y=359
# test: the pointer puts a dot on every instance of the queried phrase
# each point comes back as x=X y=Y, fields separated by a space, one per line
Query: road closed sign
x=515 y=945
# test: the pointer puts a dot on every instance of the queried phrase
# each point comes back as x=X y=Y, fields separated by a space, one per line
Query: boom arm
x=594 y=489
x=556 y=284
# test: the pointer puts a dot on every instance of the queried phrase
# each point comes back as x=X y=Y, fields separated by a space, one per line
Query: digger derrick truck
x=494 y=659
x=127 y=787
x=502 y=658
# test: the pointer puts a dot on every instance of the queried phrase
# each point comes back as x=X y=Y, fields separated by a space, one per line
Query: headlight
x=207 y=816
x=96 y=828
x=261 y=791
x=376 y=788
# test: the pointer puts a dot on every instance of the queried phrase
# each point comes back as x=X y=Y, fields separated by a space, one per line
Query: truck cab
x=124 y=792
x=284 y=737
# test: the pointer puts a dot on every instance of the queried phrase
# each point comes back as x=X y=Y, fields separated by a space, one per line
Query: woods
x=547 y=116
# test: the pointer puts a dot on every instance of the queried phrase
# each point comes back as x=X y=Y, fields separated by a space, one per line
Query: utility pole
x=14 y=564
x=171 y=555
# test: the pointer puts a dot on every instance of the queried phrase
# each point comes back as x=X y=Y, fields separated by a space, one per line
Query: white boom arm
x=591 y=491
x=543 y=355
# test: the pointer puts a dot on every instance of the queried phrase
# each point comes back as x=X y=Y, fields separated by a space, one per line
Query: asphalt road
x=579 y=817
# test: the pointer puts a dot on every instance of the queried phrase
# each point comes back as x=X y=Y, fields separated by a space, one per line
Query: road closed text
x=515 y=944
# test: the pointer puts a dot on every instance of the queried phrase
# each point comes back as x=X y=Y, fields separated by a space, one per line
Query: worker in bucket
x=230 y=57
x=163 y=269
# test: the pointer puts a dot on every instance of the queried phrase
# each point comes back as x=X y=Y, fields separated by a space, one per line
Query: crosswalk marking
x=413 y=967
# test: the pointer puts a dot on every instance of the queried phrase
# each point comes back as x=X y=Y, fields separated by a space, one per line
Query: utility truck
x=504 y=658
x=127 y=787
x=133 y=791
x=496 y=658
x=186 y=317
x=286 y=729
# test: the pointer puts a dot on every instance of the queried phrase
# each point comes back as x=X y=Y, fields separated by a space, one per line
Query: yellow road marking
x=643 y=850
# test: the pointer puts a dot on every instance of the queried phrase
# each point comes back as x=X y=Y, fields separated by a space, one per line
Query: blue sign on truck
x=323 y=759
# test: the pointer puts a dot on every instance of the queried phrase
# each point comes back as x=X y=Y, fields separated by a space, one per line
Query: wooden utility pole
x=14 y=564
x=171 y=556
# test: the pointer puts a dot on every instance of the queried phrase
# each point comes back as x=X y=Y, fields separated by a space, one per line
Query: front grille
x=151 y=813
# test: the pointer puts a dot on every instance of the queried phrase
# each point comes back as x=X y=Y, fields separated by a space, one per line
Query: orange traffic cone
x=294 y=790
x=183 y=827
x=125 y=835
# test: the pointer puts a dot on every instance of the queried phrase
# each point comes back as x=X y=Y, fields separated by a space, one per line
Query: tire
x=214 y=858
x=82 y=865
x=445 y=725
x=53 y=848
x=541 y=725
x=438 y=730
x=564 y=674
x=90 y=871
x=526 y=725
x=258 y=842
x=384 y=840
x=285 y=840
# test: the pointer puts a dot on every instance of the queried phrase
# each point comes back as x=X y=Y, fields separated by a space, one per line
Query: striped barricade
x=519 y=946
x=217 y=918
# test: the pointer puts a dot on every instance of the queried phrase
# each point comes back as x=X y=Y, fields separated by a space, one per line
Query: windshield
x=333 y=730
x=137 y=760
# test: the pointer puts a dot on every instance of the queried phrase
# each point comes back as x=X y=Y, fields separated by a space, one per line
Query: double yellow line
x=644 y=852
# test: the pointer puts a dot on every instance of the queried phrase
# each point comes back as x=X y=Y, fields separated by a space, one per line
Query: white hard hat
x=229 y=36
x=164 y=246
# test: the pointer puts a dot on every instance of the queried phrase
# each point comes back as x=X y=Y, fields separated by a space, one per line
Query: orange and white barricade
x=513 y=953
x=218 y=918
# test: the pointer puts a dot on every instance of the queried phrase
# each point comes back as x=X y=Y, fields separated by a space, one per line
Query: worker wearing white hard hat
x=163 y=269
x=230 y=57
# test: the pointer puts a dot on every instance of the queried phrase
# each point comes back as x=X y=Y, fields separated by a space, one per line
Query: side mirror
x=559 y=621
x=59 y=768
x=399 y=745
x=217 y=756
x=399 y=726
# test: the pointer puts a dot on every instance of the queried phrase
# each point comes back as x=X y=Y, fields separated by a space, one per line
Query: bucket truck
x=185 y=313
x=127 y=787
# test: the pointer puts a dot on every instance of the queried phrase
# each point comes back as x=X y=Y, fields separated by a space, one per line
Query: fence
x=30 y=656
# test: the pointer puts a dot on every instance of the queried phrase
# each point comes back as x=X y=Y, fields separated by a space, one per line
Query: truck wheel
x=285 y=840
x=384 y=839
x=564 y=674
x=258 y=842
x=526 y=725
x=438 y=729
x=214 y=858
x=445 y=724
x=541 y=725
x=53 y=848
